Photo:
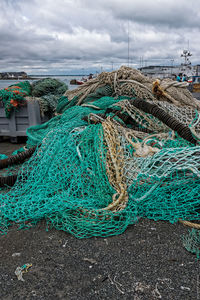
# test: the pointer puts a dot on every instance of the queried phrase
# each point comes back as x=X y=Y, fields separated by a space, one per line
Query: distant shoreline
x=16 y=78
x=73 y=75
x=36 y=77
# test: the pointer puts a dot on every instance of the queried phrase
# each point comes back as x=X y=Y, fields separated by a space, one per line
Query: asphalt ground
x=148 y=261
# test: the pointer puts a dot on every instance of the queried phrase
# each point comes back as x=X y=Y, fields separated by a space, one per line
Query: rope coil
x=17 y=159
x=170 y=121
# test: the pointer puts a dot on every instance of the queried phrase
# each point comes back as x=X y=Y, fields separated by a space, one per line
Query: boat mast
x=186 y=54
x=128 y=43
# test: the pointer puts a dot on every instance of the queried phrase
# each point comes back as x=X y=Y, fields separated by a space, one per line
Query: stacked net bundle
x=72 y=116
x=14 y=96
x=103 y=163
x=132 y=83
x=48 y=86
x=47 y=92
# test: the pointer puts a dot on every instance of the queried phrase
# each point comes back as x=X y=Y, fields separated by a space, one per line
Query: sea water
x=65 y=79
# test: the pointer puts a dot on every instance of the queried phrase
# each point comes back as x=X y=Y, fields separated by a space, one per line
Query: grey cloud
x=63 y=35
x=168 y=13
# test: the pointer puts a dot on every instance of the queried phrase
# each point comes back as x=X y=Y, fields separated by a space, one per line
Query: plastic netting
x=95 y=171
x=67 y=180
x=47 y=86
x=191 y=241
x=14 y=96
x=46 y=91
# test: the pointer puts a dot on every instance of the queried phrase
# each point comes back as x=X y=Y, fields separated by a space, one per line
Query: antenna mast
x=186 y=54
x=128 y=43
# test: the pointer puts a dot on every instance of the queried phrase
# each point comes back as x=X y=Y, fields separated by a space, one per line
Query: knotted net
x=101 y=165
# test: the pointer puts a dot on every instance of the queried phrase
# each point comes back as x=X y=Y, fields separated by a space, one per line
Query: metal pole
x=128 y=43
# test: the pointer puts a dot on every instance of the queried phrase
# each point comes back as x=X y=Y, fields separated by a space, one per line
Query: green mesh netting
x=191 y=241
x=48 y=86
x=103 y=162
x=99 y=93
x=14 y=96
x=63 y=104
x=68 y=180
x=72 y=117
x=48 y=91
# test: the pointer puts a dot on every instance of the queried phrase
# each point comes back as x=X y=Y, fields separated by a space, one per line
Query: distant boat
x=76 y=82
x=172 y=71
x=79 y=82
x=82 y=81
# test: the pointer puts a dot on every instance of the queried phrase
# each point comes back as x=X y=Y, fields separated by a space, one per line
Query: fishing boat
x=76 y=82
x=171 y=71
x=83 y=80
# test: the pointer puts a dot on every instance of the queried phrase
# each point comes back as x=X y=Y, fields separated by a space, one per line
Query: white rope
x=91 y=105
x=175 y=84
x=136 y=82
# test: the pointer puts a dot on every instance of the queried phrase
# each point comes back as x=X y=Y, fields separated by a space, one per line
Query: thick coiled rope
x=168 y=120
x=99 y=118
x=8 y=180
x=17 y=159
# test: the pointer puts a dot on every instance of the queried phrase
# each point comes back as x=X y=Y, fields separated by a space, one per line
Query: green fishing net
x=46 y=91
x=48 y=86
x=89 y=180
x=102 y=163
x=191 y=241
x=14 y=96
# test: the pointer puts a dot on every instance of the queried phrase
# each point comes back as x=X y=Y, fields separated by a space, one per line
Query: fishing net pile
x=46 y=91
x=14 y=96
x=122 y=147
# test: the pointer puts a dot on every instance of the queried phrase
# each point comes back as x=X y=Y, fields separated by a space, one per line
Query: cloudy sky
x=82 y=36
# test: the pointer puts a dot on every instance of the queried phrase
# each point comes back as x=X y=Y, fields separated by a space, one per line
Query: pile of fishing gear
x=121 y=147
x=46 y=91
